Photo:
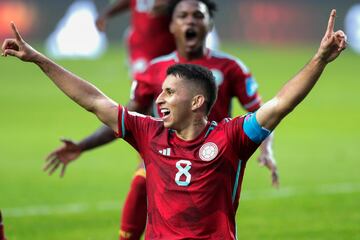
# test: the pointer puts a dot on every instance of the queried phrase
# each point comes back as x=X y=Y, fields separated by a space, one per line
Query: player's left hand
x=17 y=47
x=62 y=156
x=267 y=159
x=333 y=43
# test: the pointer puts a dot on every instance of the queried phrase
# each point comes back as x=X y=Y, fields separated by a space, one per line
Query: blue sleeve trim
x=123 y=123
x=253 y=129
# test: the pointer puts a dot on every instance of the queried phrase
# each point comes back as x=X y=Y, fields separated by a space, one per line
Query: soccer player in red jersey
x=194 y=166
x=191 y=22
x=149 y=19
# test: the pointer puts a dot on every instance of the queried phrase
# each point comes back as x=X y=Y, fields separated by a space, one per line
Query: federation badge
x=208 y=151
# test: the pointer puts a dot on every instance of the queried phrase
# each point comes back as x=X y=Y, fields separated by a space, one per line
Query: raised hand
x=62 y=157
x=17 y=47
x=333 y=42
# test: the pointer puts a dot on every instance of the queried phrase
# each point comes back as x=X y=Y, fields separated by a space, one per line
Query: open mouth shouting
x=191 y=36
x=165 y=113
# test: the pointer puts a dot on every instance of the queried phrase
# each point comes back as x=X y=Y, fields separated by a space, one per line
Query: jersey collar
x=180 y=59
x=198 y=140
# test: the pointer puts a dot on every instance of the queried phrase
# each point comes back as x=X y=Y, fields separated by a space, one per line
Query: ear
x=198 y=102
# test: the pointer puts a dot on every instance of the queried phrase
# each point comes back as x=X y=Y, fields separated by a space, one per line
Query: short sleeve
x=253 y=129
x=135 y=128
x=244 y=135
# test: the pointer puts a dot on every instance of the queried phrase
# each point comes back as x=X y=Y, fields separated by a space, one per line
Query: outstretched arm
x=80 y=91
x=294 y=91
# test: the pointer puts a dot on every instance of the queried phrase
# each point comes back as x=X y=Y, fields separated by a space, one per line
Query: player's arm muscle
x=293 y=92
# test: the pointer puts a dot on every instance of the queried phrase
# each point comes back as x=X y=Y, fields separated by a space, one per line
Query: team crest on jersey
x=208 y=151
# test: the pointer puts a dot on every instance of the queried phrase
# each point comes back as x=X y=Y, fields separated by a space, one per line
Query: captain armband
x=253 y=129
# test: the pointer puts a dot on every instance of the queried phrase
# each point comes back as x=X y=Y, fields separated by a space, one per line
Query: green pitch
x=316 y=148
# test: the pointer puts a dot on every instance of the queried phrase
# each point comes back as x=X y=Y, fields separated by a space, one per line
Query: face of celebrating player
x=190 y=24
x=175 y=103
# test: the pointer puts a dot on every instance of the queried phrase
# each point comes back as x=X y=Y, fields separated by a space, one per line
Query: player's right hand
x=101 y=23
x=62 y=157
x=17 y=47
x=333 y=43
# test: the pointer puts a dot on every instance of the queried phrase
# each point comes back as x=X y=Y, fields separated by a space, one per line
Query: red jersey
x=192 y=186
x=231 y=75
x=149 y=36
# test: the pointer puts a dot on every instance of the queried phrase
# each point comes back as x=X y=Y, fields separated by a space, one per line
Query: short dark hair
x=211 y=6
x=200 y=77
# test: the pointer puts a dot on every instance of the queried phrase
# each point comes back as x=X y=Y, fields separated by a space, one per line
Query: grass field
x=316 y=148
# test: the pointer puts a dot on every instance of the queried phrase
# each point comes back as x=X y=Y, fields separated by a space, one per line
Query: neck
x=193 y=131
x=192 y=54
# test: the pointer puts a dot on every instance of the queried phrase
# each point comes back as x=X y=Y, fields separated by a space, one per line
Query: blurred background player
x=2 y=231
x=148 y=36
x=190 y=26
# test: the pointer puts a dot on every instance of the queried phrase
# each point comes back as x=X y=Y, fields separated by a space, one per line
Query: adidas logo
x=165 y=152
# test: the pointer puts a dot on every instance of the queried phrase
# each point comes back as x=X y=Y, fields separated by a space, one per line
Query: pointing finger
x=16 y=32
x=331 y=23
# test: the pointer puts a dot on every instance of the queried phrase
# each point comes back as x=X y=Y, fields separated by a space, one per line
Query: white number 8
x=183 y=171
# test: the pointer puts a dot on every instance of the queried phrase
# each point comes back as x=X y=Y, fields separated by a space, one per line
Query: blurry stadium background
x=317 y=146
x=252 y=21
